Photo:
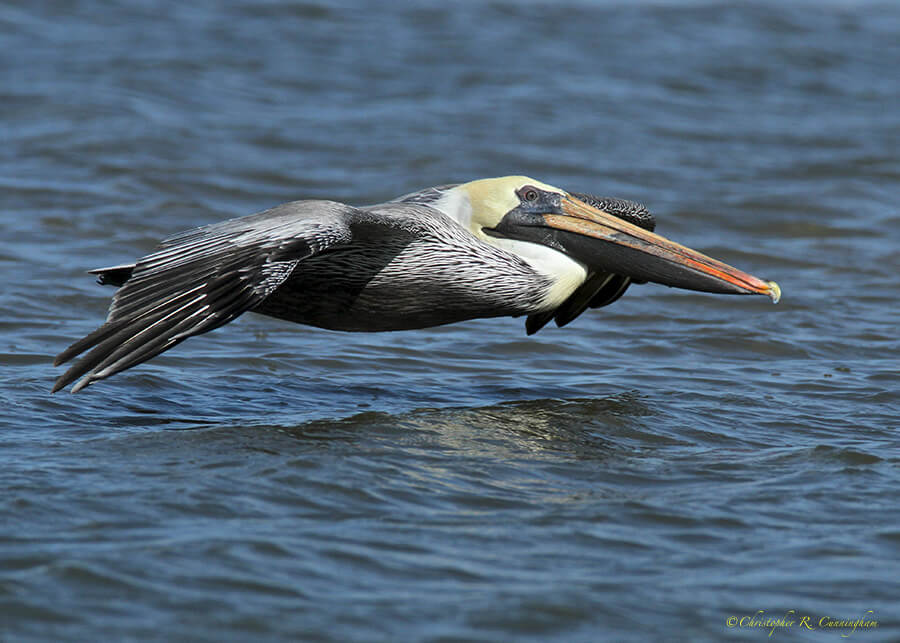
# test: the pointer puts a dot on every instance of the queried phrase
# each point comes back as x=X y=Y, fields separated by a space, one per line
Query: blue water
x=645 y=473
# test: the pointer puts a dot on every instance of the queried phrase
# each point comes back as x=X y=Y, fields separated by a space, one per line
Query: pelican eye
x=530 y=194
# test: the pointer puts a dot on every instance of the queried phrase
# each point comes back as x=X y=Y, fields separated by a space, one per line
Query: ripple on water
x=649 y=469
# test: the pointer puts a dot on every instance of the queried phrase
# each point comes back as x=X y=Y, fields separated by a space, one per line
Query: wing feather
x=199 y=280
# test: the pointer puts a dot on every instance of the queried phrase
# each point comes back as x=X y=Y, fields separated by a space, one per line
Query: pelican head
x=518 y=212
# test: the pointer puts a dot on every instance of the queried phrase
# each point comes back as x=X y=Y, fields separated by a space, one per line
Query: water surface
x=647 y=472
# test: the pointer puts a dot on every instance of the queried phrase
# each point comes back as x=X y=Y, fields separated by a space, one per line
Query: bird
x=506 y=246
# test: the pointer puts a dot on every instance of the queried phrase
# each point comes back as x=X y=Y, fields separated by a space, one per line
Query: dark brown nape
x=630 y=211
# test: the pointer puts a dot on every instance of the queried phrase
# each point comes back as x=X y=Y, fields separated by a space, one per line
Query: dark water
x=646 y=473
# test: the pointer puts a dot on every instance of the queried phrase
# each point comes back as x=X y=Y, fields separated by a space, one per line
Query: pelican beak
x=606 y=242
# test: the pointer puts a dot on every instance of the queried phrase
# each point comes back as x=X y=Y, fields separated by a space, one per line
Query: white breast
x=566 y=273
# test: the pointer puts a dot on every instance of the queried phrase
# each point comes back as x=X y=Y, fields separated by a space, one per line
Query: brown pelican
x=487 y=248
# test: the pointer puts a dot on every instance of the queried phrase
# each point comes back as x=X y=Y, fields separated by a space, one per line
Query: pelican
x=488 y=248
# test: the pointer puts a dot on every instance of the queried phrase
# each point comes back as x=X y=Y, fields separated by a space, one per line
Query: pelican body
x=487 y=248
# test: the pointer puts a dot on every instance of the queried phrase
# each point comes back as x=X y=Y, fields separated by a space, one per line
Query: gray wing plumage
x=199 y=280
x=426 y=196
x=600 y=288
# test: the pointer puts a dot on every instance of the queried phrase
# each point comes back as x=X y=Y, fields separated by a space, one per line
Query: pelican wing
x=199 y=280
x=426 y=196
